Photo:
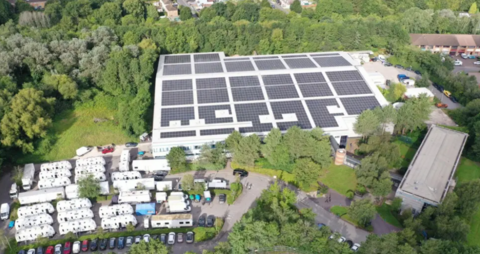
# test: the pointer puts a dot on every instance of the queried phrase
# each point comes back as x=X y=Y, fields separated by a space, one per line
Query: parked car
x=210 y=221
x=129 y=241
x=476 y=62
x=109 y=149
x=138 y=238
x=85 y=245
x=350 y=243
x=241 y=172
x=31 y=251
x=180 y=237
x=441 y=105
x=146 y=238
x=402 y=77
x=222 y=198
x=398 y=66
x=111 y=243
x=67 y=248
x=58 y=249
x=50 y=250
x=190 y=237
x=342 y=239
x=21 y=252
x=103 y=244
x=201 y=220
x=93 y=244
x=464 y=56
x=163 y=238
x=452 y=98
x=387 y=64
x=458 y=63
x=131 y=144
x=447 y=93
x=121 y=243
x=355 y=247
x=77 y=246
x=471 y=57
x=418 y=73
x=171 y=238
x=40 y=250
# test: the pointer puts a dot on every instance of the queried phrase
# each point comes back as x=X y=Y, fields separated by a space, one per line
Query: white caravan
x=134 y=197
x=77 y=214
x=72 y=190
x=161 y=197
x=32 y=221
x=53 y=182
x=129 y=175
x=31 y=234
x=123 y=166
x=56 y=166
x=35 y=209
x=136 y=184
x=151 y=165
x=118 y=221
x=178 y=207
x=125 y=155
x=27 y=177
x=89 y=169
x=97 y=176
x=41 y=196
x=164 y=186
x=90 y=161
x=76 y=226
x=115 y=210
x=54 y=174
x=217 y=184
x=65 y=205
x=172 y=220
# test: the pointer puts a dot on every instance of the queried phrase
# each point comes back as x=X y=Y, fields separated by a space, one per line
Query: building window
x=454 y=47
x=181 y=223
x=471 y=47
x=167 y=223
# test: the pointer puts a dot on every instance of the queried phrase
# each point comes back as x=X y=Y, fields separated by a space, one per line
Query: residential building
x=170 y=9
x=448 y=44
x=430 y=174
x=201 y=98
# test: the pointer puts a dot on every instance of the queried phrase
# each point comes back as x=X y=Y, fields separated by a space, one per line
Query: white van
x=13 y=191
x=4 y=211
x=458 y=63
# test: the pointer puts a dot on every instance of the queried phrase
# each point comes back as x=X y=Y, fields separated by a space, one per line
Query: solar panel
x=212 y=96
x=281 y=92
x=209 y=83
x=315 y=90
x=247 y=94
x=270 y=65
x=326 y=54
x=356 y=105
x=319 y=112
x=177 y=134
x=174 y=59
x=244 y=81
x=176 y=114
x=290 y=107
x=177 y=98
x=353 y=87
x=176 y=85
x=311 y=77
x=208 y=113
x=293 y=56
x=236 y=59
x=299 y=63
x=281 y=79
x=332 y=61
x=251 y=113
x=265 y=57
x=206 y=58
x=335 y=76
x=208 y=68
x=239 y=66
x=216 y=132
x=177 y=69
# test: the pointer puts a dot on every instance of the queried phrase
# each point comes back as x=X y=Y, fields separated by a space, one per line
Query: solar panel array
x=257 y=93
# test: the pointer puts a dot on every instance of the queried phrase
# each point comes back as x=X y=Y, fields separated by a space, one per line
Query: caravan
x=65 y=205
x=31 y=234
x=96 y=175
x=118 y=221
x=55 y=174
x=171 y=220
x=56 y=166
x=27 y=177
x=178 y=207
x=53 y=182
x=76 y=226
x=136 y=184
x=89 y=169
x=129 y=175
x=124 y=161
x=40 y=196
x=72 y=190
x=77 y=214
x=164 y=186
x=115 y=210
x=134 y=197
x=32 y=221
x=151 y=165
x=90 y=162
x=35 y=209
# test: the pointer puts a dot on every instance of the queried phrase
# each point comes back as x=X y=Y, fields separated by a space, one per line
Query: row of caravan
x=66 y=205
x=76 y=226
x=52 y=166
x=82 y=213
x=93 y=161
x=120 y=221
x=89 y=169
x=55 y=174
x=53 y=182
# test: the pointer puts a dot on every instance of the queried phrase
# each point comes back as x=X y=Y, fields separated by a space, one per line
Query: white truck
x=151 y=165
x=120 y=221
x=76 y=226
x=27 y=177
x=217 y=184
x=31 y=221
x=13 y=191
x=171 y=220
x=4 y=211
x=136 y=184
x=41 y=196
x=134 y=197
x=54 y=182
x=32 y=233
x=83 y=150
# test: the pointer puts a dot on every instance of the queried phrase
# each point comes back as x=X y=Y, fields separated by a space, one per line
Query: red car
x=49 y=250
x=67 y=248
x=85 y=245
x=109 y=149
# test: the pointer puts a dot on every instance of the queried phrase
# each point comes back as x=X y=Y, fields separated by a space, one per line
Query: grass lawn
x=385 y=213
x=406 y=152
x=341 y=211
x=75 y=128
x=339 y=178
x=474 y=234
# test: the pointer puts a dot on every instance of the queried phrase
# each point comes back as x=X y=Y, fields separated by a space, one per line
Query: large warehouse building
x=202 y=98
x=429 y=175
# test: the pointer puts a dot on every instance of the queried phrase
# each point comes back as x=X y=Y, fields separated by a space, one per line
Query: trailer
x=217 y=184
x=66 y=205
x=37 y=209
x=77 y=214
x=28 y=176
x=164 y=185
x=96 y=175
x=32 y=221
x=54 y=174
x=161 y=197
x=178 y=207
x=90 y=161
x=32 y=233
x=54 y=182
x=119 y=221
x=124 y=164
x=89 y=169
x=151 y=165
x=171 y=220
x=77 y=226
x=136 y=184
x=134 y=197
x=129 y=175
x=56 y=166
x=125 y=156
x=115 y=210
x=72 y=190
x=41 y=196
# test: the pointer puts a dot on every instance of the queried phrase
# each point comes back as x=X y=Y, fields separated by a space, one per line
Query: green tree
x=130 y=227
x=473 y=8
x=70 y=236
x=177 y=158
x=382 y=186
x=367 y=123
x=215 y=156
x=100 y=232
x=247 y=151
x=187 y=182
x=63 y=84
x=318 y=147
x=413 y=114
x=5 y=11
x=89 y=187
x=395 y=92
x=295 y=139
x=468 y=198
x=185 y=13
x=248 y=235
x=154 y=246
x=265 y=4
x=424 y=81
x=362 y=211
x=21 y=6
x=136 y=8
x=233 y=140
x=306 y=172
x=17 y=175
x=296 y=6
x=370 y=169
x=272 y=140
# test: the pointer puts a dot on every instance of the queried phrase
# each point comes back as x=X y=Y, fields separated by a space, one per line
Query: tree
x=136 y=8
x=185 y=13
x=295 y=139
x=395 y=92
x=367 y=123
x=265 y=4
x=272 y=141
x=362 y=211
x=70 y=236
x=89 y=187
x=306 y=172
x=130 y=227
x=29 y=117
x=371 y=169
x=247 y=151
x=473 y=8
x=382 y=186
x=214 y=156
x=218 y=224
x=5 y=11
x=468 y=198
x=318 y=147
x=424 y=81
x=63 y=84
x=413 y=114
x=187 y=182
x=17 y=175
x=233 y=140
x=100 y=232
x=154 y=246
x=177 y=158
x=296 y=6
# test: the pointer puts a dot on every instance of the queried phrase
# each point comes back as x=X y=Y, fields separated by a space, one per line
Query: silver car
x=171 y=238
x=180 y=237
x=58 y=249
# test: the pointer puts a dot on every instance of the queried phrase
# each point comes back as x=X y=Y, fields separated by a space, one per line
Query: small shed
x=145 y=209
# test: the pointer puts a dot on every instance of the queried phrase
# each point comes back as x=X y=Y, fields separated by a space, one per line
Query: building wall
x=452 y=50
x=37 y=5
x=412 y=202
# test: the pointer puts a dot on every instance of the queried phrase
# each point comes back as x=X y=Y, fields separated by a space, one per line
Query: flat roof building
x=450 y=44
x=430 y=173
x=201 y=98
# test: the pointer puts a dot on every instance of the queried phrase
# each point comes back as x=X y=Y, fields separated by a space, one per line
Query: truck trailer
x=171 y=220
x=151 y=165
x=28 y=176
x=41 y=196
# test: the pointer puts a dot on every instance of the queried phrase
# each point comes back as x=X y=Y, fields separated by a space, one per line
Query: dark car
x=103 y=244
x=440 y=88
x=111 y=243
x=85 y=245
x=388 y=64
x=93 y=244
x=398 y=66
x=21 y=252
x=210 y=221
x=121 y=243
x=350 y=243
x=241 y=172
x=409 y=69
x=158 y=178
x=163 y=238
x=201 y=220
x=452 y=98
x=222 y=198
x=40 y=250
x=155 y=237
x=418 y=73
x=131 y=144
x=189 y=238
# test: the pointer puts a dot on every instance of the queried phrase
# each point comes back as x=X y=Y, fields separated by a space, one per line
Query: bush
x=396 y=204
x=13 y=210
x=204 y=234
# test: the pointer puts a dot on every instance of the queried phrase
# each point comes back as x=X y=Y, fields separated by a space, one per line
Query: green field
x=386 y=214
x=339 y=178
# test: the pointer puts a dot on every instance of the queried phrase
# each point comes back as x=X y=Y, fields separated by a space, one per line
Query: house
x=37 y=4
x=448 y=44
x=169 y=8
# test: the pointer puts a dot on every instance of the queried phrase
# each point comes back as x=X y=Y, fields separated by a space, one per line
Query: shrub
x=204 y=234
